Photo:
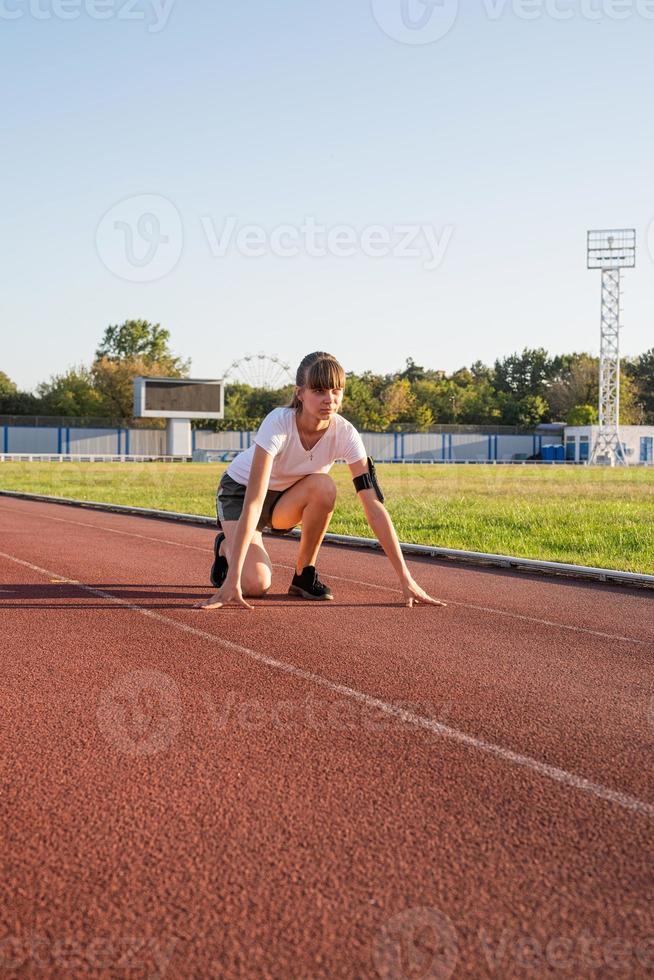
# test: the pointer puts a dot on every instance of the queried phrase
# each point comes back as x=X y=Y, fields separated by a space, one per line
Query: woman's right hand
x=229 y=592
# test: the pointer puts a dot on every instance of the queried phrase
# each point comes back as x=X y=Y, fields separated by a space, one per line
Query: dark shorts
x=229 y=504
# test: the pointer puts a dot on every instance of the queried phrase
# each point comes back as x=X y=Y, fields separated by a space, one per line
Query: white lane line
x=498 y=612
x=371 y=585
x=561 y=776
x=114 y=530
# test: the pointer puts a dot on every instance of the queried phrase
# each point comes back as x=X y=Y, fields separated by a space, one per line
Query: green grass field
x=587 y=516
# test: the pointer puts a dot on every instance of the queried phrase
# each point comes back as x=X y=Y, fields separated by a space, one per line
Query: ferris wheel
x=259 y=371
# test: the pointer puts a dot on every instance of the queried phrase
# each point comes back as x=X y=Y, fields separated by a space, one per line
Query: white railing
x=229 y=454
x=88 y=458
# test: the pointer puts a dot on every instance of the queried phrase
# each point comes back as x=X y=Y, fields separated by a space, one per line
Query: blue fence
x=395 y=446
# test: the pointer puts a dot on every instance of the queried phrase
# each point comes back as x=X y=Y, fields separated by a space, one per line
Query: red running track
x=346 y=789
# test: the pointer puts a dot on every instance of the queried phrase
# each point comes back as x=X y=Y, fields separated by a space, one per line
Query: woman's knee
x=256 y=583
x=324 y=489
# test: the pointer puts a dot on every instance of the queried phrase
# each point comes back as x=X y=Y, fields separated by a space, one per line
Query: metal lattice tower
x=610 y=251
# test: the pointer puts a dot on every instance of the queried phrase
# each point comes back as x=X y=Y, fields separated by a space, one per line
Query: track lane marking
x=543 y=769
x=501 y=612
x=371 y=585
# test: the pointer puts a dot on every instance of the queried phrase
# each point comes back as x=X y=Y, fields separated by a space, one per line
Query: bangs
x=326 y=373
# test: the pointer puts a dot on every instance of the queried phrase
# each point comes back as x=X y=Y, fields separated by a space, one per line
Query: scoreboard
x=178 y=398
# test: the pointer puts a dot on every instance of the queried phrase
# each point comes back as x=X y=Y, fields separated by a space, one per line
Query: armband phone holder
x=368 y=481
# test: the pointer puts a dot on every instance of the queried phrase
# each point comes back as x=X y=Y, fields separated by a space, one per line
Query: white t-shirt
x=278 y=435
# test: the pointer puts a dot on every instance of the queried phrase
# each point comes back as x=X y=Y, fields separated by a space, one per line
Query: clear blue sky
x=516 y=134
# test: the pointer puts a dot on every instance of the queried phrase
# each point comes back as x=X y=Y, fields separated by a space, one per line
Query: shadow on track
x=54 y=595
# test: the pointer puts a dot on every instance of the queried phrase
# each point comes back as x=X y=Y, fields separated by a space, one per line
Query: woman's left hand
x=414 y=594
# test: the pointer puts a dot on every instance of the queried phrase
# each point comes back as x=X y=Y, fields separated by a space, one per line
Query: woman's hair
x=318 y=370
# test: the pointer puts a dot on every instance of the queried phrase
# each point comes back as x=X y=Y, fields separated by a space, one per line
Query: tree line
x=523 y=389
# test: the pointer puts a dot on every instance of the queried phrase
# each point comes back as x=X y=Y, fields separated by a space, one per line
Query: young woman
x=282 y=480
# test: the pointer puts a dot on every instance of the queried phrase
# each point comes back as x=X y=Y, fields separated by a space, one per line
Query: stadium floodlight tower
x=610 y=251
x=178 y=400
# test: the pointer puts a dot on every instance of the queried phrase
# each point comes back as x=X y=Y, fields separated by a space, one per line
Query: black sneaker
x=309 y=586
x=218 y=572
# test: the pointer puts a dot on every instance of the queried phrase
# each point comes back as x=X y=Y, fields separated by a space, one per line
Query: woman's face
x=322 y=403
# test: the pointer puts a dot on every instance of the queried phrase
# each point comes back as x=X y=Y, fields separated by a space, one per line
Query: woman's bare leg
x=310 y=502
x=256 y=576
